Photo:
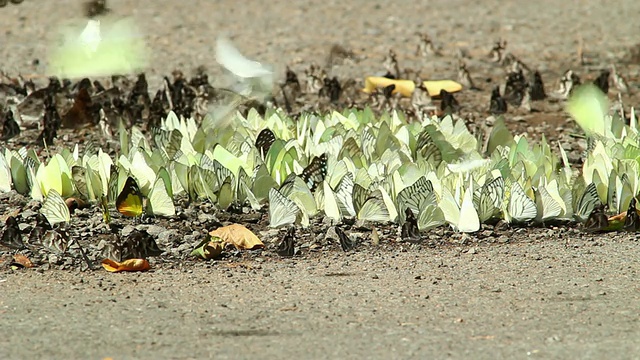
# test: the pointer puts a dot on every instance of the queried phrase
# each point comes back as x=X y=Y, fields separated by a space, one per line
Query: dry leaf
x=239 y=236
x=21 y=261
x=127 y=265
x=209 y=248
x=406 y=87
x=619 y=217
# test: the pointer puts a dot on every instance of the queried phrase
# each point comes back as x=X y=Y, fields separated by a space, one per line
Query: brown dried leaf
x=20 y=260
x=239 y=236
x=127 y=265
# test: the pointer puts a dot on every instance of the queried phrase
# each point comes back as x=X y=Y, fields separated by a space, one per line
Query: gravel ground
x=536 y=296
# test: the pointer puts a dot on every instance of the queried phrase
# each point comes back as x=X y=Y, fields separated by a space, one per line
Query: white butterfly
x=159 y=201
x=462 y=217
x=489 y=198
x=229 y=57
x=55 y=209
x=282 y=211
x=521 y=208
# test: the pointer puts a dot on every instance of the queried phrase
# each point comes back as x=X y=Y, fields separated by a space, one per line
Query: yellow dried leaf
x=406 y=87
x=127 y=265
x=239 y=236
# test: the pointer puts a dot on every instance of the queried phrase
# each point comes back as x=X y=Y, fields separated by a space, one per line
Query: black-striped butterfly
x=264 y=141
x=315 y=172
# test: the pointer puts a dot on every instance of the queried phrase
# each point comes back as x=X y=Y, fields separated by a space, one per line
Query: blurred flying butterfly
x=129 y=202
x=410 y=227
x=632 y=220
x=264 y=141
x=12 y=236
x=346 y=242
x=286 y=248
x=315 y=172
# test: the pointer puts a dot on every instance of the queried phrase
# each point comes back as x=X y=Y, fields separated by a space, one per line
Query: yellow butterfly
x=129 y=202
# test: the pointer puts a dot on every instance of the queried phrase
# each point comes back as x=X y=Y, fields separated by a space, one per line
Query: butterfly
x=159 y=202
x=141 y=245
x=587 y=202
x=410 y=227
x=129 y=202
x=55 y=240
x=55 y=209
x=282 y=210
x=102 y=48
x=369 y=205
x=38 y=231
x=315 y=172
x=286 y=248
x=10 y=128
x=497 y=104
x=12 y=236
x=589 y=106
x=632 y=219
x=536 y=89
x=415 y=197
x=490 y=198
x=597 y=220
x=264 y=141
x=521 y=208
x=346 y=243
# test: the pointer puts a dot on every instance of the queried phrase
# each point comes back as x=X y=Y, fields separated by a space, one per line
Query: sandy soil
x=545 y=294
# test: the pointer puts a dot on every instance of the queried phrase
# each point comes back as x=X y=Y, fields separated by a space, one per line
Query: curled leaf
x=406 y=87
x=21 y=261
x=209 y=248
x=239 y=236
x=127 y=265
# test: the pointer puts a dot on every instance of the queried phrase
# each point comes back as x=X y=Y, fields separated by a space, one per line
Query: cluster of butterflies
x=357 y=166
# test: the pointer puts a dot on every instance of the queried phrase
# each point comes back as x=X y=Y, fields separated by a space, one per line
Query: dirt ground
x=541 y=293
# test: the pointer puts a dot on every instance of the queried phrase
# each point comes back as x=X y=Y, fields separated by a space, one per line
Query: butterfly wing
x=55 y=209
x=282 y=211
x=129 y=201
